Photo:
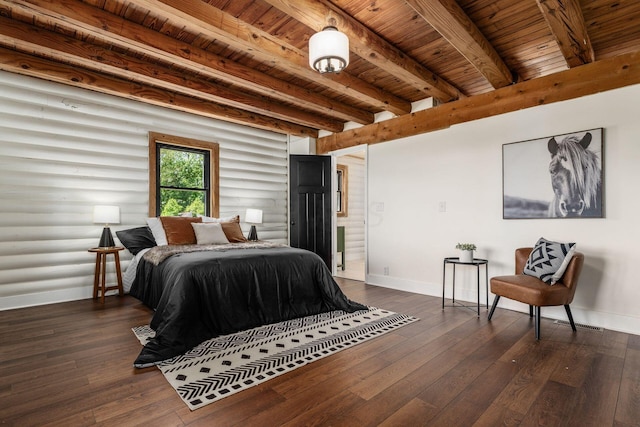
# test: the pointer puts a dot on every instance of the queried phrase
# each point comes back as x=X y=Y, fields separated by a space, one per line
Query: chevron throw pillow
x=549 y=260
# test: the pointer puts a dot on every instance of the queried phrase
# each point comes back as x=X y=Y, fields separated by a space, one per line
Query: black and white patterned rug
x=228 y=364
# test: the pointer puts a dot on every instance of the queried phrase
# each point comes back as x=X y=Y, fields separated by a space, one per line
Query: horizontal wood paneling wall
x=354 y=221
x=64 y=150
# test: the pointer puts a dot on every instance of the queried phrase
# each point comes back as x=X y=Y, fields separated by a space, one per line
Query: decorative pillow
x=158 y=232
x=136 y=239
x=209 y=234
x=549 y=260
x=179 y=230
x=233 y=231
x=235 y=218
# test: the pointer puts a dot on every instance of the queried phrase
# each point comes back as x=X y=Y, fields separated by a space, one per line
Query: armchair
x=533 y=291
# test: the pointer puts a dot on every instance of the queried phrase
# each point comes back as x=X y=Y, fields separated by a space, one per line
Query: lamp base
x=106 y=240
x=253 y=234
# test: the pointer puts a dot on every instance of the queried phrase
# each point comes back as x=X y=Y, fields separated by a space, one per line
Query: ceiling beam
x=43 y=43
x=198 y=16
x=448 y=19
x=369 y=46
x=111 y=29
x=599 y=76
x=28 y=65
x=567 y=25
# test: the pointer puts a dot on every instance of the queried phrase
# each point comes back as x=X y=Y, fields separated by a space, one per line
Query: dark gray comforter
x=200 y=295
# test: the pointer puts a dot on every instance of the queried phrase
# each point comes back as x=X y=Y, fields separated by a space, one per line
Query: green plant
x=466 y=246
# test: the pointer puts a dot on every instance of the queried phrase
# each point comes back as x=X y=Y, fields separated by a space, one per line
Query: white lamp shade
x=253 y=216
x=329 y=51
x=103 y=214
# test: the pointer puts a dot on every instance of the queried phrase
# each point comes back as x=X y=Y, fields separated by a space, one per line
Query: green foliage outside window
x=182 y=182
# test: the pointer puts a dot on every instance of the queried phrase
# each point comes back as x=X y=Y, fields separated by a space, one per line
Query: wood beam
x=43 y=43
x=111 y=29
x=202 y=17
x=27 y=65
x=600 y=76
x=567 y=25
x=448 y=19
x=369 y=46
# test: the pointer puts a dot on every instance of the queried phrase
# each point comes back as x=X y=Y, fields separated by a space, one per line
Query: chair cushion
x=548 y=260
x=530 y=290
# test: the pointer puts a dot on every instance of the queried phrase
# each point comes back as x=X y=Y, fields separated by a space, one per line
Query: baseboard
x=612 y=321
x=43 y=298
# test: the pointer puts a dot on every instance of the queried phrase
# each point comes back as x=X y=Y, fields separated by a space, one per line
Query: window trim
x=214 y=169
x=343 y=190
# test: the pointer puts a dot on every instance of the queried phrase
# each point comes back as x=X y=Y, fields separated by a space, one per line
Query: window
x=183 y=176
x=342 y=190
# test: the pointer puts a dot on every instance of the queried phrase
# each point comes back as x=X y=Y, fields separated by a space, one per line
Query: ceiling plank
x=369 y=46
x=31 y=40
x=217 y=24
x=111 y=29
x=448 y=19
x=567 y=25
x=28 y=65
x=606 y=74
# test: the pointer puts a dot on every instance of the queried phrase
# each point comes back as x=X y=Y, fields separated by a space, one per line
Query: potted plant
x=467 y=251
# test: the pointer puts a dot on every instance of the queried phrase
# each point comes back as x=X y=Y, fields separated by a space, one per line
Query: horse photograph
x=554 y=177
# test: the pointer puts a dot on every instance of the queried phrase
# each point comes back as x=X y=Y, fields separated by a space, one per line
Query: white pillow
x=210 y=219
x=158 y=231
x=209 y=233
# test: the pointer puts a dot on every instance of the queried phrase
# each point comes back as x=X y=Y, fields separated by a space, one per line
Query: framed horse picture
x=559 y=176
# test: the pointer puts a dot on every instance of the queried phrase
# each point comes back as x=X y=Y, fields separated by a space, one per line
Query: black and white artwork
x=558 y=176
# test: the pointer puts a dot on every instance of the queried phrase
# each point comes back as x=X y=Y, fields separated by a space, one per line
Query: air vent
x=580 y=325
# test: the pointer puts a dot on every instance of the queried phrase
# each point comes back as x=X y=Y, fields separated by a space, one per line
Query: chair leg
x=530 y=311
x=493 y=306
x=568 y=310
x=537 y=322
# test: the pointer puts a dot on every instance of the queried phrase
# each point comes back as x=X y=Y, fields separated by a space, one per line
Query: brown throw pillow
x=179 y=230
x=233 y=231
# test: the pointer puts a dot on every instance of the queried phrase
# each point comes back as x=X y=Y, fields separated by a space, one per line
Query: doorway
x=350 y=213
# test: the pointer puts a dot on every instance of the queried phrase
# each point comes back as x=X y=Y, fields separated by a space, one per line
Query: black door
x=310 y=196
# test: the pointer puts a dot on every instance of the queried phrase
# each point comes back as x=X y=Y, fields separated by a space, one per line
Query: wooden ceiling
x=247 y=61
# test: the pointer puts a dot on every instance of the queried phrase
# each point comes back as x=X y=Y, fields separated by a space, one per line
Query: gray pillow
x=549 y=260
x=136 y=239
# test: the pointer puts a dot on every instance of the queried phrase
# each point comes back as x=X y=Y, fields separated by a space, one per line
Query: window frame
x=342 y=192
x=158 y=139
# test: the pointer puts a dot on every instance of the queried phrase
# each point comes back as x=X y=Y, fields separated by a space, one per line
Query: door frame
x=334 y=206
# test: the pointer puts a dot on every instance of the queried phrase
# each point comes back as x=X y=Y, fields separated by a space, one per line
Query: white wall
x=63 y=150
x=462 y=166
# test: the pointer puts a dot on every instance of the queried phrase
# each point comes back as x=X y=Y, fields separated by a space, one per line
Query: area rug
x=228 y=364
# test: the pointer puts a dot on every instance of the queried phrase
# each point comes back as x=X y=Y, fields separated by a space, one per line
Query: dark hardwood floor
x=70 y=364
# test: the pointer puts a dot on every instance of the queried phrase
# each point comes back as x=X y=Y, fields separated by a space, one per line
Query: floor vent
x=580 y=325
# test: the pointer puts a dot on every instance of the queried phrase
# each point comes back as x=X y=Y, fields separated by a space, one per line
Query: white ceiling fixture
x=329 y=50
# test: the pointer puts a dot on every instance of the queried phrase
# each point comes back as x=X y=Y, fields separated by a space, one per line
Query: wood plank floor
x=70 y=364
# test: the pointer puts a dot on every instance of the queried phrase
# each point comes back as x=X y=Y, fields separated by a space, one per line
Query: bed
x=200 y=291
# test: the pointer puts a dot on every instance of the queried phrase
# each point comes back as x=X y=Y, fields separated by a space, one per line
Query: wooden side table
x=99 y=277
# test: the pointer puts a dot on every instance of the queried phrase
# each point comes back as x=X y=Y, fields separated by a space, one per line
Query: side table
x=477 y=262
x=99 y=277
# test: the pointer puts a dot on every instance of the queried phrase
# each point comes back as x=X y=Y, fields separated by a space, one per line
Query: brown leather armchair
x=533 y=291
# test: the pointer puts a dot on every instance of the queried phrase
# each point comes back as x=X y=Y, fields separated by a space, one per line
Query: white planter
x=466 y=256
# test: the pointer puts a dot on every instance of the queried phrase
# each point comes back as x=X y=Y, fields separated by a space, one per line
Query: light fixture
x=329 y=50
x=106 y=215
x=253 y=216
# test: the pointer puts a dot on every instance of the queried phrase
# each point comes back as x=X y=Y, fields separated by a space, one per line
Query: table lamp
x=253 y=216
x=106 y=215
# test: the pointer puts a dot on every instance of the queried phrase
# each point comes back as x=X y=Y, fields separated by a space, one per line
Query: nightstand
x=99 y=278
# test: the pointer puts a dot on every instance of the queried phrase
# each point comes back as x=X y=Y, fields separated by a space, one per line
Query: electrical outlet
x=442 y=206
x=386 y=271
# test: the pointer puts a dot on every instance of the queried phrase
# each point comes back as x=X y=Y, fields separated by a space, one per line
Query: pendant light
x=329 y=50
